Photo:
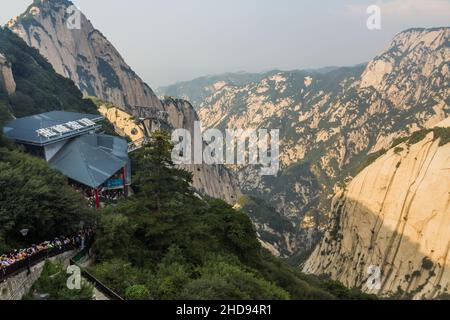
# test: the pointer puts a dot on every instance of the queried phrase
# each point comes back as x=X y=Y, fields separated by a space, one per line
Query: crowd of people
x=106 y=196
x=9 y=262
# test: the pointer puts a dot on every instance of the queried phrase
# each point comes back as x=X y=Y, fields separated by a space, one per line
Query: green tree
x=137 y=292
x=37 y=198
x=220 y=279
x=53 y=282
x=157 y=179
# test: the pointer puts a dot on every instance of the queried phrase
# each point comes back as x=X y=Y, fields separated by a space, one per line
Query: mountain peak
x=82 y=53
x=42 y=3
x=421 y=51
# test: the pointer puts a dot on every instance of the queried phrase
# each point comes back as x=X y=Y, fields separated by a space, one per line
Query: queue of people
x=10 y=263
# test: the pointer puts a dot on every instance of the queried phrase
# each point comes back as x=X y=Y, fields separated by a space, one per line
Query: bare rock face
x=124 y=123
x=7 y=82
x=404 y=50
x=394 y=215
x=83 y=55
x=213 y=180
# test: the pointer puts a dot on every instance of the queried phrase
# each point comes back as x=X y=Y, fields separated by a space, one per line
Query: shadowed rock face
x=7 y=82
x=395 y=215
x=83 y=55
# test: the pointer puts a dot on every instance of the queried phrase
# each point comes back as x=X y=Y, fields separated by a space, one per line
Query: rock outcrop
x=394 y=215
x=7 y=82
x=83 y=55
x=124 y=123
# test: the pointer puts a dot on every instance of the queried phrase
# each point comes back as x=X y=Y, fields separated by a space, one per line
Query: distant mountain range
x=330 y=120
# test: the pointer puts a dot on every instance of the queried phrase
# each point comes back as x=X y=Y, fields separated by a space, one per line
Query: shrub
x=137 y=292
x=427 y=264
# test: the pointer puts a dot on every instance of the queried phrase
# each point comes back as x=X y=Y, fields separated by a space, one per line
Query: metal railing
x=138 y=144
x=26 y=265
x=100 y=286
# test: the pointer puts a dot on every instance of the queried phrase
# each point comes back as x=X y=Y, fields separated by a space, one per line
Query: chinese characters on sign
x=65 y=128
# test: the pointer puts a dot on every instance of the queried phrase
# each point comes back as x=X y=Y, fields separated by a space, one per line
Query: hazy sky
x=166 y=41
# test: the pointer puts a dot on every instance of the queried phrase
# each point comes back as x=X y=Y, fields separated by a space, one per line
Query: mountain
x=7 y=83
x=29 y=85
x=184 y=247
x=83 y=55
x=395 y=215
x=330 y=121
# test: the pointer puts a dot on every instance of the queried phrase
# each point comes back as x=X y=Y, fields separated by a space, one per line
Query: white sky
x=166 y=41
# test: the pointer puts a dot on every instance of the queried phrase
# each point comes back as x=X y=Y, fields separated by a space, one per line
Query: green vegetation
x=262 y=212
x=166 y=243
x=37 y=198
x=163 y=243
x=53 y=284
x=443 y=134
x=371 y=158
x=34 y=196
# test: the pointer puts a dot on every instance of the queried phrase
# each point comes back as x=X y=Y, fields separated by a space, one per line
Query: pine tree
x=157 y=178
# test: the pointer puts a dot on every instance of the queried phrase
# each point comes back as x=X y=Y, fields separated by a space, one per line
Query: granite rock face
x=394 y=215
x=83 y=55
x=212 y=180
x=7 y=82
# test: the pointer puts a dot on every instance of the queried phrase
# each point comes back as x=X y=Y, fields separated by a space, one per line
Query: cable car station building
x=95 y=164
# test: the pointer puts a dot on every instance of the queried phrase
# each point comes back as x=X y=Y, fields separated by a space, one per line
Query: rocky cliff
x=83 y=55
x=7 y=82
x=329 y=121
x=394 y=215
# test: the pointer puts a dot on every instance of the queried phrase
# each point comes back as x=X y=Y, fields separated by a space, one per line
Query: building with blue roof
x=71 y=144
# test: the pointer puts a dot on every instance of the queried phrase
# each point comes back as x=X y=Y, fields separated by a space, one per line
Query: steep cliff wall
x=7 y=82
x=83 y=55
x=394 y=215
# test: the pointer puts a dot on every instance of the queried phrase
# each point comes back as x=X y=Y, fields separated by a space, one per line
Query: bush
x=137 y=292
x=220 y=279
x=37 y=198
x=427 y=264
x=53 y=282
